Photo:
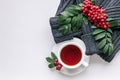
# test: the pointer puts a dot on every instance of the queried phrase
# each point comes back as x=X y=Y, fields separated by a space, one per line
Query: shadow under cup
x=71 y=55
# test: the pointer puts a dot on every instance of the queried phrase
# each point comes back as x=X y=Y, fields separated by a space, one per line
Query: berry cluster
x=57 y=64
x=95 y=14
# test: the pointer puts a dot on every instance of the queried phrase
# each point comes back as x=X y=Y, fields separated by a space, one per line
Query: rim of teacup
x=75 y=44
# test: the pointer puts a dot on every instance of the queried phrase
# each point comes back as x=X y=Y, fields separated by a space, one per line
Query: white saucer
x=72 y=71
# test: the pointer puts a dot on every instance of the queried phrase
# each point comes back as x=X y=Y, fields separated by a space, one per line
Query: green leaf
x=105 y=50
x=101 y=44
x=69 y=27
x=80 y=4
x=73 y=9
x=109 y=19
x=97 y=31
x=80 y=9
x=60 y=19
x=93 y=2
x=109 y=40
x=76 y=7
x=74 y=23
x=49 y=60
x=67 y=14
x=94 y=27
x=67 y=21
x=109 y=30
x=100 y=36
x=65 y=29
x=74 y=28
x=79 y=21
x=109 y=35
x=85 y=20
x=52 y=65
x=110 y=49
x=113 y=23
x=53 y=56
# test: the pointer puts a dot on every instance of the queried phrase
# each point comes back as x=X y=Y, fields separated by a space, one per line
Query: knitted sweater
x=112 y=8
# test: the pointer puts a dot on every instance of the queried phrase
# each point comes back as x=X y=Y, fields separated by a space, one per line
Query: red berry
x=102 y=23
x=97 y=25
x=105 y=27
x=98 y=17
x=102 y=20
x=83 y=8
x=96 y=7
x=102 y=10
x=95 y=14
x=58 y=67
x=104 y=15
x=56 y=62
x=89 y=15
x=89 y=18
x=107 y=24
x=86 y=9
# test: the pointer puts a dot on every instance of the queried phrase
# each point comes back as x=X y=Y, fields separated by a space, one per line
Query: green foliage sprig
x=51 y=60
x=71 y=19
x=105 y=37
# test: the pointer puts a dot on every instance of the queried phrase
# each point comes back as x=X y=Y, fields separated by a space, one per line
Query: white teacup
x=81 y=62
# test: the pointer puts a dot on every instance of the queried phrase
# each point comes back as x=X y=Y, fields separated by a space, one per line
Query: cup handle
x=85 y=64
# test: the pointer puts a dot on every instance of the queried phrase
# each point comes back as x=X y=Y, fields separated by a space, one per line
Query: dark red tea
x=71 y=55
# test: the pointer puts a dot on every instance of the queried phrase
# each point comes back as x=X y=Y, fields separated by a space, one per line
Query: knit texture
x=112 y=8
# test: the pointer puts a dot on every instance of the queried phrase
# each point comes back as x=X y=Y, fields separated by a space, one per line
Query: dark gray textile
x=92 y=49
x=112 y=8
x=63 y=4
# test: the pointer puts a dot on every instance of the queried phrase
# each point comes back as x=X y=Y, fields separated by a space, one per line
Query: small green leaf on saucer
x=49 y=59
x=53 y=56
x=51 y=65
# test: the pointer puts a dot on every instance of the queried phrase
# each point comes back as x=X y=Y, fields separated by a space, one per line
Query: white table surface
x=26 y=39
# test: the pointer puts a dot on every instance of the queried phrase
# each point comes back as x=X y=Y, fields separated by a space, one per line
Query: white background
x=26 y=39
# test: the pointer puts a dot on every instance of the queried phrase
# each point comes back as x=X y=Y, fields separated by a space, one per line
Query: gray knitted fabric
x=112 y=8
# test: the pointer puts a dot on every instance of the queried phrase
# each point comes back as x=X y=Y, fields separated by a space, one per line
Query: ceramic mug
x=81 y=62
